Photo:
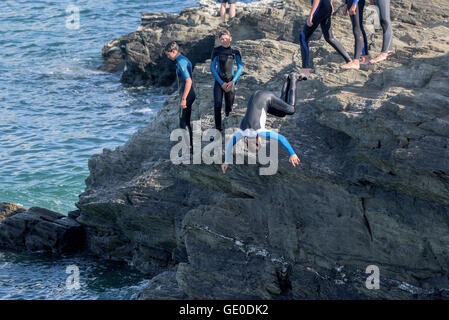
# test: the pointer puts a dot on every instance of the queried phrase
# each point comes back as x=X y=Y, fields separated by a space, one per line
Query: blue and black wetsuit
x=183 y=72
x=361 y=42
x=222 y=67
x=261 y=103
x=322 y=16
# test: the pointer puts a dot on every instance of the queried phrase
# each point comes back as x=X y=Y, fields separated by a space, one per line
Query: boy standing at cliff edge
x=223 y=11
x=185 y=86
x=223 y=60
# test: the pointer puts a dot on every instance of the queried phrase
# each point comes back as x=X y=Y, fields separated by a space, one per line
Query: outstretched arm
x=235 y=137
x=294 y=160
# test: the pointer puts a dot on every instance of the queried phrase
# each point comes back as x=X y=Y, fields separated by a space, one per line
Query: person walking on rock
x=223 y=60
x=355 y=9
x=385 y=22
x=223 y=11
x=260 y=104
x=320 y=15
x=185 y=86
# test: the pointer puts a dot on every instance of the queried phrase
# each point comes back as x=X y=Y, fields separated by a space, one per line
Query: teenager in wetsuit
x=253 y=124
x=355 y=9
x=223 y=60
x=187 y=94
x=385 y=22
x=320 y=15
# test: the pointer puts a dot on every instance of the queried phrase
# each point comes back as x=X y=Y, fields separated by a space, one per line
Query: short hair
x=223 y=33
x=171 y=46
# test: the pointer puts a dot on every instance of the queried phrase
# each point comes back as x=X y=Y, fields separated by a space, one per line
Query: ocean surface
x=56 y=111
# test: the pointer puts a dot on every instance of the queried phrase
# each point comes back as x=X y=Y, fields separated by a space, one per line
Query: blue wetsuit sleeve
x=283 y=140
x=235 y=137
x=213 y=69
x=355 y=1
x=238 y=58
x=183 y=69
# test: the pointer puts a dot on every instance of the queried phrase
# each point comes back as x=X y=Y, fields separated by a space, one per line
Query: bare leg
x=231 y=10
x=223 y=12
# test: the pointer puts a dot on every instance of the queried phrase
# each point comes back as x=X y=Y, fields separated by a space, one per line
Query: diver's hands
x=224 y=167
x=352 y=10
x=294 y=160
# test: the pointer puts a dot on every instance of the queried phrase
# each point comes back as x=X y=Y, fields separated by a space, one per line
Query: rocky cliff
x=372 y=187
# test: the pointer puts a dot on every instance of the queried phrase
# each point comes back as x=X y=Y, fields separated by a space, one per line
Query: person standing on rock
x=355 y=9
x=385 y=22
x=260 y=104
x=320 y=14
x=185 y=86
x=223 y=60
x=223 y=11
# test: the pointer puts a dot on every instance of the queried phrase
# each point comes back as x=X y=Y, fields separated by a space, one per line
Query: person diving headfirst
x=260 y=104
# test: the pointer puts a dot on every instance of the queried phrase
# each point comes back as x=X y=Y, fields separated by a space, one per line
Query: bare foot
x=306 y=72
x=383 y=56
x=354 y=64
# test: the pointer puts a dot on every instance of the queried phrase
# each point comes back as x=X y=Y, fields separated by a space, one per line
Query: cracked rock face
x=372 y=187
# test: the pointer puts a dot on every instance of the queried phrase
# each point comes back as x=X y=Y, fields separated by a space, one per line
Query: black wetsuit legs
x=358 y=30
x=385 y=22
x=285 y=105
x=329 y=37
x=321 y=17
x=218 y=102
x=185 y=114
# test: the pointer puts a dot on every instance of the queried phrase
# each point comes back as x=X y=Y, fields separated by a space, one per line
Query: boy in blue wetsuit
x=223 y=60
x=320 y=15
x=185 y=86
x=355 y=9
x=253 y=124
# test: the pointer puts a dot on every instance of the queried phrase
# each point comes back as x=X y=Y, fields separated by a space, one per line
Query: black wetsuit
x=263 y=102
x=385 y=22
x=361 y=42
x=222 y=65
x=322 y=16
x=183 y=72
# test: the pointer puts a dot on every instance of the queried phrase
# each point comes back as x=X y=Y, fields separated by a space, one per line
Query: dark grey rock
x=162 y=287
x=39 y=229
x=372 y=187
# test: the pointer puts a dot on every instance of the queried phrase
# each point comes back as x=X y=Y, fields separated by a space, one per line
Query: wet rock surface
x=39 y=229
x=372 y=187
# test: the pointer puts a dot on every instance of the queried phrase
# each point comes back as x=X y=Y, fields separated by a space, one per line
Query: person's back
x=184 y=70
x=256 y=112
